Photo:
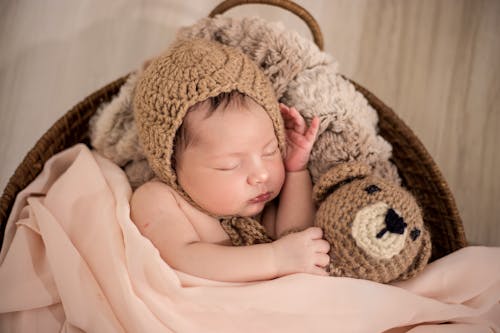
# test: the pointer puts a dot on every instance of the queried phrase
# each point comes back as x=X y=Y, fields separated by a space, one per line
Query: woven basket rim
x=49 y=144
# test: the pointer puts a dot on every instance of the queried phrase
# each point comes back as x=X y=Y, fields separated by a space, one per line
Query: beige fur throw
x=302 y=76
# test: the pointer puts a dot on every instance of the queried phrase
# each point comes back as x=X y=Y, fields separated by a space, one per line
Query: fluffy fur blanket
x=73 y=261
x=302 y=76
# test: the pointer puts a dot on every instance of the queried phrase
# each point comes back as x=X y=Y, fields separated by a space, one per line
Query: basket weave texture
x=418 y=171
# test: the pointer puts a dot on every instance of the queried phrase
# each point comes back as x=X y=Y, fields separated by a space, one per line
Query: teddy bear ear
x=337 y=176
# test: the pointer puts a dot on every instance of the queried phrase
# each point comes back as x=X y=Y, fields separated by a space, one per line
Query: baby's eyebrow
x=236 y=154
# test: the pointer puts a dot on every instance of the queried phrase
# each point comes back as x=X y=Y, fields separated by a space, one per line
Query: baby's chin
x=248 y=211
x=254 y=209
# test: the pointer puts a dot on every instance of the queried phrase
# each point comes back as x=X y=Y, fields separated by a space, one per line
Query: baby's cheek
x=279 y=174
x=228 y=189
x=231 y=199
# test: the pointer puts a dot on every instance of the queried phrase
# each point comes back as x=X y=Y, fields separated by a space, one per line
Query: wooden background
x=436 y=62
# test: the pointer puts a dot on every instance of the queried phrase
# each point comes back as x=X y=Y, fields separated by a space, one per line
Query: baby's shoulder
x=153 y=198
x=153 y=189
x=157 y=213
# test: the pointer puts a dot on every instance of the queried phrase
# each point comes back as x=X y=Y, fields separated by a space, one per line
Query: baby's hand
x=302 y=252
x=300 y=139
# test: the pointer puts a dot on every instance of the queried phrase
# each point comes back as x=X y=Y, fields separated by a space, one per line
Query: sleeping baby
x=221 y=147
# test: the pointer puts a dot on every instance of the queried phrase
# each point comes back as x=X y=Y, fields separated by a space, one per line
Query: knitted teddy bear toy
x=374 y=227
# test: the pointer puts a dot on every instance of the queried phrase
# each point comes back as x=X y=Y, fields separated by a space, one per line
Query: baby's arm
x=159 y=218
x=296 y=208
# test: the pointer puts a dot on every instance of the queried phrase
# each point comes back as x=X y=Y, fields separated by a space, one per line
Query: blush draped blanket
x=73 y=261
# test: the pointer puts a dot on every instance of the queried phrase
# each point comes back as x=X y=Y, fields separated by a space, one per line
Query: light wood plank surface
x=435 y=62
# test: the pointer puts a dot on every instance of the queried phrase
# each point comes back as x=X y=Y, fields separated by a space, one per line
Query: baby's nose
x=259 y=175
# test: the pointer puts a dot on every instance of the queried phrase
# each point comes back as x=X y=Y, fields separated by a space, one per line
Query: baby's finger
x=297 y=139
x=300 y=123
x=283 y=107
x=322 y=260
x=322 y=246
x=293 y=119
x=312 y=131
x=315 y=232
x=287 y=117
x=318 y=271
x=285 y=111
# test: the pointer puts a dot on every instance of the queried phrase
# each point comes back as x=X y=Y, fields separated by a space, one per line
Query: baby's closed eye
x=226 y=168
x=271 y=152
x=271 y=148
x=226 y=165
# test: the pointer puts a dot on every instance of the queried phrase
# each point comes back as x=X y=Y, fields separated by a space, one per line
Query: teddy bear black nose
x=393 y=223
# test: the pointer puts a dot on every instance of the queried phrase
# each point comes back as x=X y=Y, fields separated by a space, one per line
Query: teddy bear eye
x=414 y=234
x=372 y=189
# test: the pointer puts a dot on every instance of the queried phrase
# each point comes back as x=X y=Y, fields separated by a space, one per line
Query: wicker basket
x=417 y=169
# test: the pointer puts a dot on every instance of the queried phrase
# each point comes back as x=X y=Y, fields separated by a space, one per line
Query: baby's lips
x=262 y=197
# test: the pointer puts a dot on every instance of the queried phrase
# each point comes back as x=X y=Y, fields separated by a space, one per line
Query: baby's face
x=234 y=166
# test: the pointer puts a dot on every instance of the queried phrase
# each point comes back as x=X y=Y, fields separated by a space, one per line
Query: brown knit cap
x=192 y=71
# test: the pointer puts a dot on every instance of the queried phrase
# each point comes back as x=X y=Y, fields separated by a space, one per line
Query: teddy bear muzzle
x=379 y=230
